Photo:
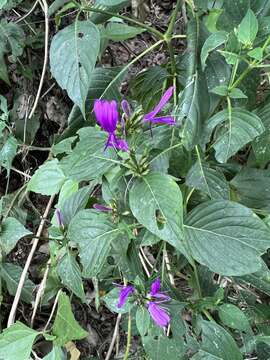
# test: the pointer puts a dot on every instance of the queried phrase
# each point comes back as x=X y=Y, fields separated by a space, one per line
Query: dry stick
x=40 y=291
x=115 y=333
x=21 y=18
x=168 y=266
x=53 y=310
x=13 y=310
x=46 y=40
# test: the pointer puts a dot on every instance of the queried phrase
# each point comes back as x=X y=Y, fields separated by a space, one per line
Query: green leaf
x=64 y=146
x=237 y=94
x=11 y=275
x=16 y=342
x=212 y=43
x=11 y=38
x=210 y=181
x=227 y=237
x=156 y=202
x=256 y=53
x=70 y=273
x=108 y=5
x=56 y=354
x=11 y=232
x=142 y=320
x=47 y=179
x=93 y=232
x=75 y=202
x=193 y=102
x=8 y=152
x=73 y=56
x=252 y=188
x=233 y=317
x=232 y=14
x=119 y=32
x=88 y=160
x=261 y=145
x=239 y=128
x=221 y=90
x=3 y=69
x=260 y=279
x=65 y=327
x=3 y=3
x=147 y=87
x=217 y=344
x=248 y=28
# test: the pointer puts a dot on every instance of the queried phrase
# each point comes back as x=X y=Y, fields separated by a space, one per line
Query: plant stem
x=169 y=31
x=128 y=338
x=195 y=271
x=151 y=29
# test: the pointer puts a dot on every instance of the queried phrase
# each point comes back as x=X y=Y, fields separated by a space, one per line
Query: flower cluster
x=154 y=300
x=107 y=117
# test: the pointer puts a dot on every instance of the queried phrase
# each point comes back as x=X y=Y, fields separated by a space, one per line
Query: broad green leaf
x=16 y=342
x=11 y=231
x=220 y=90
x=70 y=274
x=11 y=38
x=3 y=69
x=217 y=344
x=261 y=144
x=193 y=102
x=65 y=327
x=118 y=32
x=213 y=41
x=78 y=44
x=56 y=354
x=142 y=320
x=260 y=279
x=252 y=188
x=102 y=85
x=159 y=347
x=88 y=160
x=69 y=188
x=248 y=28
x=156 y=201
x=47 y=179
x=232 y=14
x=233 y=317
x=256 y=53
x=75 y=202
x=237 y=94
x=109 y=5
x=227 y=237
x=147 y=86
x=64 y=146
x=8 y=152
x=11 y=275
x=56 y=4
x=211 y=181
x=93 y=232
x=239 y=128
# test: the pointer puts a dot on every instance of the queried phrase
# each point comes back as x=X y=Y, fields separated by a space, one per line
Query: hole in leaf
x=80 y=35
x=160 y=220
x=80 y=65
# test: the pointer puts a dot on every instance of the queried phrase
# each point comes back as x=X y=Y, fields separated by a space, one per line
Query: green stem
x=196 y=276
x=169 y=31
x=152 y=30
x=128 y=338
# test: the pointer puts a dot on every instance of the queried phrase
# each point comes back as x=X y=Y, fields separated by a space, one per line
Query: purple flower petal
x=155 y=287
x=121 y=145
x=116 y=143
x=106 y=114
x=59 y=218
x=100 y=207
x=159 y=315
x=169 y=120
x=124 y=294
x=163 y=101
x=126 y=107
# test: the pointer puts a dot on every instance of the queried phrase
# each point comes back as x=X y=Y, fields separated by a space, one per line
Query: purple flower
x=100 y=207
x=158 y=314
x=126 y=107
x=107 y=116
x=124 y=294
x=59 y=218
x=169 y=120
